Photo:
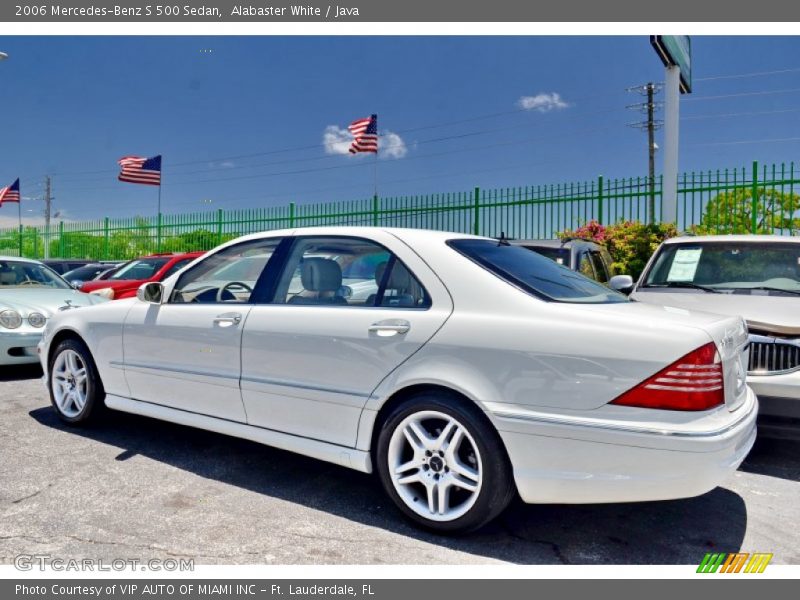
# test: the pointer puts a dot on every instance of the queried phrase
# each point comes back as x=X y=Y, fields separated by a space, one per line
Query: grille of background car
x=769 y=355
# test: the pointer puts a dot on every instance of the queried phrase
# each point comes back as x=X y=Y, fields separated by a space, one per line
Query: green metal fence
x=754 y=199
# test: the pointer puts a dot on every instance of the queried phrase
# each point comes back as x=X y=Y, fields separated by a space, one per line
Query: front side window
x=228 y=276
x=599 y=267
x=348 y=272
x=23 y=274
x=585 y=266
x=535 y=274
x=734 y=267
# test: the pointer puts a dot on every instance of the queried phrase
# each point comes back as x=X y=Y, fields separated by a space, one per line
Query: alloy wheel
x=435 y=465
x=70 y=383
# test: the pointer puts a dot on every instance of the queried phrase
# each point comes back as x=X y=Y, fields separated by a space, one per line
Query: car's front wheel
x=75 y=388
x=443 y=464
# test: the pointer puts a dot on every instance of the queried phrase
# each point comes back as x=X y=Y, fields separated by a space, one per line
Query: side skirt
x=340 y=455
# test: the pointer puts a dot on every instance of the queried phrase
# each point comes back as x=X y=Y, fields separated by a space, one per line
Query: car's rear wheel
x=443 y=464
x=76 y=391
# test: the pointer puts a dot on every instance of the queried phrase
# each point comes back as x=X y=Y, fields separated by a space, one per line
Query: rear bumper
x=19 y=348
x=574 y=464
x=779 y=395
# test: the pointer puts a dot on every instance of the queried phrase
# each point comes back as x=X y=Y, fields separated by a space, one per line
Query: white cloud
x=391 y=145
x=337 y=141
x=543 y=102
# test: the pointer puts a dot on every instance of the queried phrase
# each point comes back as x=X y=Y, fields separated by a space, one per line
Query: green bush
x=630 y=243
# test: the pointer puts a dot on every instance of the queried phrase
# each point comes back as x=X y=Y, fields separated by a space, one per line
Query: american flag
x=10 y=193
x=365 y=135
x=137 y=169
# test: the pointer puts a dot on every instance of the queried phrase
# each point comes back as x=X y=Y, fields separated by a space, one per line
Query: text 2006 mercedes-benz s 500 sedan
x=462 y=369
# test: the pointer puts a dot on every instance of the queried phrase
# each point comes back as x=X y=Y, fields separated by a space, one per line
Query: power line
x=737 y=142
x=742 y=94
x=744 y=75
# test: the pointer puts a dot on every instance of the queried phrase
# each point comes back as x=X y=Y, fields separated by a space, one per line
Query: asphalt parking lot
x=139 y=488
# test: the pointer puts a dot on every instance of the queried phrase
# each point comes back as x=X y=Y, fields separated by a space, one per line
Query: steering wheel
x=233 y=284
x=29 y=282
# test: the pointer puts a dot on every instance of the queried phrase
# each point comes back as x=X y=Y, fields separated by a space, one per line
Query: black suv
x=587 y=257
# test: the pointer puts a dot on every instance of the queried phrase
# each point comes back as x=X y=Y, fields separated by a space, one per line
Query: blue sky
x=241 y=121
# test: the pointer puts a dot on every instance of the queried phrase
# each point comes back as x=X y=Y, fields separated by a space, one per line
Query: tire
x=462 y=454
x=77 y=399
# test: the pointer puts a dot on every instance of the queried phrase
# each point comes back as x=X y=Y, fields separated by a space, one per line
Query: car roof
x=550 y=243
x=21 y=259
x=734 y=238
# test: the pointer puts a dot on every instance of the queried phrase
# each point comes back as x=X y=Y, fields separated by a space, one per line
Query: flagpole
x=158 y=217
x=19 y=212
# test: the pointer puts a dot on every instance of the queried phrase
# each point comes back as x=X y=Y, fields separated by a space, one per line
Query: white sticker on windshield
x=684 y=265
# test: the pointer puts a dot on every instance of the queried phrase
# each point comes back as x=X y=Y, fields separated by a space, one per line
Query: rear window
x=559 y=255
x=534 y=273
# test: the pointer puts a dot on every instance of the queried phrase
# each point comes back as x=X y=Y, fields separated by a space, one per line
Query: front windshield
x=535 y=274
x=735 y=267
x=17 y=274
x=140 y=269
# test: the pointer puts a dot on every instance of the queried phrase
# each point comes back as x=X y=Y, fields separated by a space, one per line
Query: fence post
x=105 y=239
x=61 y=253
x=375 y=210
x=158 y=234
x=291 y=215
x=754 y=200
x=20 y=240
x=219 y=226
x=600 y=218
x=476 y=224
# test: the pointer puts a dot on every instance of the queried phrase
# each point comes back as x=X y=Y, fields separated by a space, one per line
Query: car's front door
x=185 y=352
x=346 y=311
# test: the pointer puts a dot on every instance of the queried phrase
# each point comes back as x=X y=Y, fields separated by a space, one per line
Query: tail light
x=693 y=382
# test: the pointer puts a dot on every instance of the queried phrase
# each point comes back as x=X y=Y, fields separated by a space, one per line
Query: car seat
x=397 y=288
x=322 y=278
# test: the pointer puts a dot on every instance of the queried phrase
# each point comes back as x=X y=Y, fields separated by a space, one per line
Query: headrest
x=7 y=277
x=399 y=278
x=321 y=275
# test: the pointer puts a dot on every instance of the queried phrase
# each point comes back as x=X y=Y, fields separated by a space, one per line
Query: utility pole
x=48 y=204
x=650 y=125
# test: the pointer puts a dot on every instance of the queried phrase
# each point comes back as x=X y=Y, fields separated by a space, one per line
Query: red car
x=125 y=282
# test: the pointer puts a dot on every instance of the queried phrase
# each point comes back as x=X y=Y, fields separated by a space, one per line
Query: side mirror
x=77 y=284
x=621 y=283
x=152 y=292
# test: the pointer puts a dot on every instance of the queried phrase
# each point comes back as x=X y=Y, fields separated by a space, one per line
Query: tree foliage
x=732 y=212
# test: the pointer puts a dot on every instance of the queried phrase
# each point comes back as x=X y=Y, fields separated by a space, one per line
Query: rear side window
x=341 y=271
x=535 y=274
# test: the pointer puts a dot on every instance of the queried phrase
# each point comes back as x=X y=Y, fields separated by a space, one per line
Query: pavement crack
x=33 y=495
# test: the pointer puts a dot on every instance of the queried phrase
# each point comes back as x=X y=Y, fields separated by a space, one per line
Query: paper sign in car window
x=684 y=265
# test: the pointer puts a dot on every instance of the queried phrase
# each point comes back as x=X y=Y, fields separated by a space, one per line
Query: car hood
x=44 y=301
x=123 y=284
x=771 y=314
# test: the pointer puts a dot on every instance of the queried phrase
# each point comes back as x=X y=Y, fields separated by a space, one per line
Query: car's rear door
x=185 y=353
x=314 y=354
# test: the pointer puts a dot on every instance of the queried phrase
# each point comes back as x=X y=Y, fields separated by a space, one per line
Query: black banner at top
x=150 y=11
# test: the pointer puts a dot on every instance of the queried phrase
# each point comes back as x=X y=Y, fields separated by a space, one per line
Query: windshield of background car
x=21 y=274
x=535 y=274
x=559 y=255
x=735 y=266
x=140 y=269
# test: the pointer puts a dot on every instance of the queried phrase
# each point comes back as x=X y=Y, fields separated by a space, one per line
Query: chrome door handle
x=228 y=320
x=390 y=327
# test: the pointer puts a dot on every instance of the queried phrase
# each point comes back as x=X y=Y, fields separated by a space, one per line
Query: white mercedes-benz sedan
x=473 y=371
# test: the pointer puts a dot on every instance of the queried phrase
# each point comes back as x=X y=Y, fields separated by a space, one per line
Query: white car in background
x=476 y=370
x=753 y=276
x=30 y=293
